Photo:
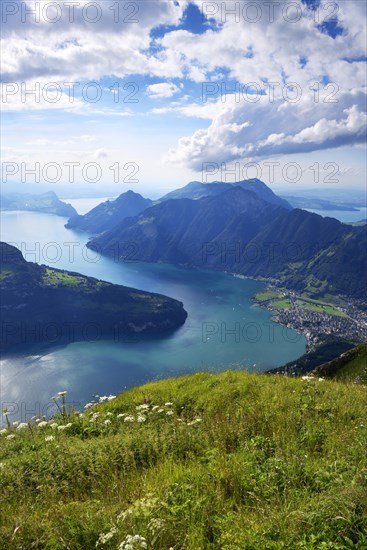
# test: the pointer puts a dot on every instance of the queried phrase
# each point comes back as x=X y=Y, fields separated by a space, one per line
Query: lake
x=224 y=329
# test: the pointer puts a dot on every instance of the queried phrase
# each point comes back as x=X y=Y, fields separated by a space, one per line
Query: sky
x=151 y=94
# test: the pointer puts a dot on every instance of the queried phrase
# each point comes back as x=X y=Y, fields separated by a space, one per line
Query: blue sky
x=239 y=87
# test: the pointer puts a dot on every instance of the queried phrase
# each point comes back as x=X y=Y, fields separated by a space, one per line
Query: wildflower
x=43 y=424
x=160 y=410
x=22 y=426
x=133 y=542
x=11 y=436
x=53 y=425
x=107 y=422
x=155 y=525
x=111 y=397
x=121 y=415
x=129 y=419
x=103 y=398
x=3 y=431
x=168 y=404
x=307 y=377
x=141 y=418
x=88 y=405
x=61 y=428
x=155 y=407
x=62 y=393
x=16 y=423
x=105 y=537
x=321 y=379
x=2 y=465
x=109 y=413
x=50 y=438
x=142 y=407
x=169 y=413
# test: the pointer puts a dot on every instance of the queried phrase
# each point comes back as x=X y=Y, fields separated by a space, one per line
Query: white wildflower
x=50 y=438
x=22 y=426
x=321 y=379
x=107 y=422
x=155 y=407
x=62 y=393
x=53 y=425
x=129 y=419
x=307 y=377
x=142 y=407
x=160 y=410
x=111 y=397
x=168 y=404
x=105 y=537
x=43 y=424
x=133 y=542
x=2 y=465
x=155 y=525
x=141 y=418
x=3 y=431
x=103 y=398
x=121 y=415
x=169 y=413
x=11 y=436
x=109 y=413
x=88 y=405
x=16 y=423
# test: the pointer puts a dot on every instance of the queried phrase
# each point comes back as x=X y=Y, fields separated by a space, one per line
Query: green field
x=312 y=305
x=265 y=296
x=233 y=461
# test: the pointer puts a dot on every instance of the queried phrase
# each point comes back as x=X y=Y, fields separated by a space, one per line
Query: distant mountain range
x=47 y=203
x=243 y=228
x=198 y=190
x=42 y=305
x=108 y=214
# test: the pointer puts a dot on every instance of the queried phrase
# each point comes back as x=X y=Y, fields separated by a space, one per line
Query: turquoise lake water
x=224 y=329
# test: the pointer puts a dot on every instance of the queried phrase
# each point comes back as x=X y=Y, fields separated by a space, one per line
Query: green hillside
x=351 y=366
x=233 y=461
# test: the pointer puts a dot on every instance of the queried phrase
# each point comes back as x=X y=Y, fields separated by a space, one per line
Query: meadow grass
x=232 y=461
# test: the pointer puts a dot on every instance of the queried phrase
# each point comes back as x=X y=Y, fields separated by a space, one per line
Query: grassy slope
x=349 y=367
x=273 y=463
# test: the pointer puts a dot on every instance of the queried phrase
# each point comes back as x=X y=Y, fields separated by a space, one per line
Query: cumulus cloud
x=243 y=130
x=162 y=90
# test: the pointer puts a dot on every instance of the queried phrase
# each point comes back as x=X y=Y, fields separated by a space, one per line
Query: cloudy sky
x=149 y=95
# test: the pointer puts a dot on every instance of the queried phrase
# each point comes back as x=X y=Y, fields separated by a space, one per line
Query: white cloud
x=162 y=90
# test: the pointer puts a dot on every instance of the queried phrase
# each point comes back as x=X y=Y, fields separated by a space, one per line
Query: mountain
x=238 y=232
x=198 y=190
x=176 y=231
x=44 y=305
x=47 y=203
x=108 y=214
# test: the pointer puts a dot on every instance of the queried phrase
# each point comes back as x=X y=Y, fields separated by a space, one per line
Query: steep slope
x=230 y=461
x=351 y=366
x=47 y=203
x=44 y=305
x=109 y=213
x=198 y=190
x=181 y=230
x=237 y=231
